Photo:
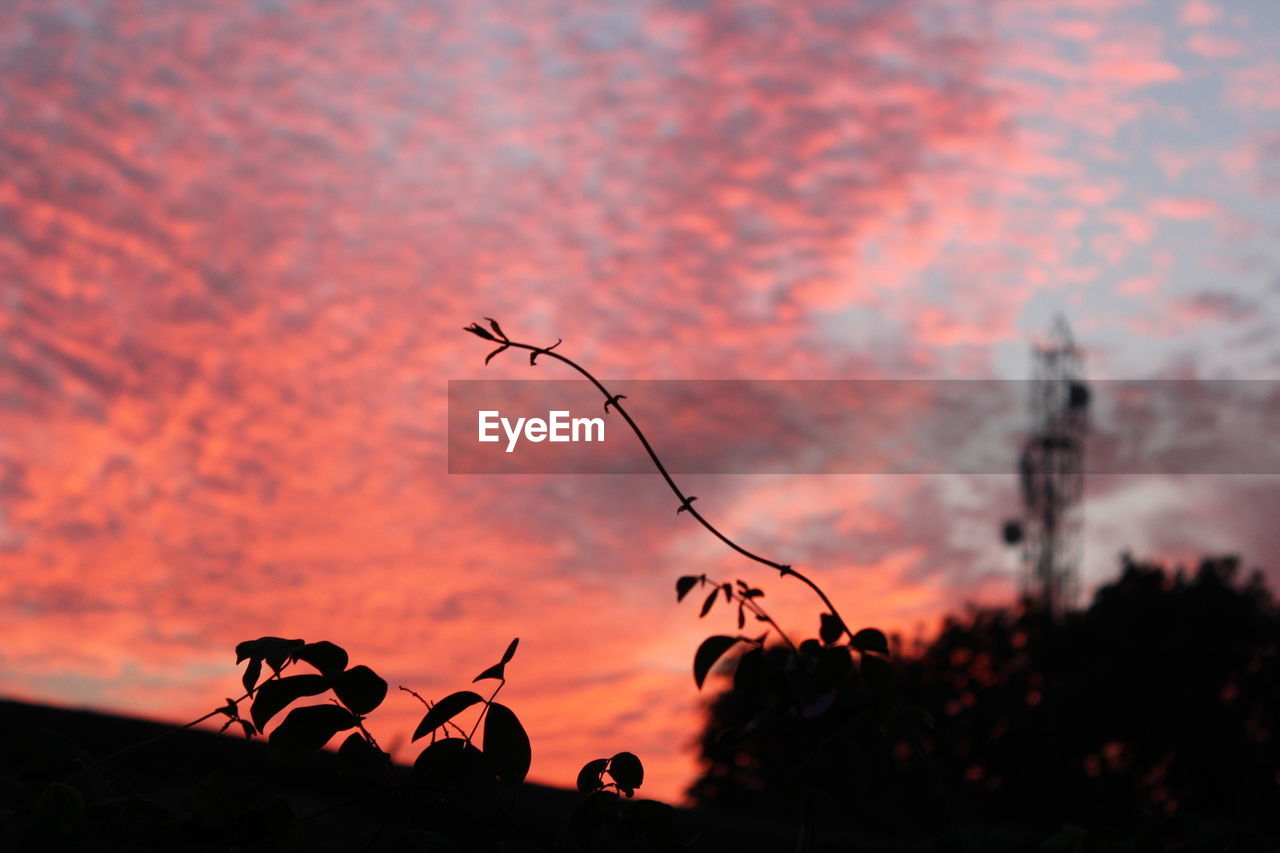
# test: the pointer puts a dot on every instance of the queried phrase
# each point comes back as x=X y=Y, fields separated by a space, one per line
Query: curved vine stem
x=686 y=501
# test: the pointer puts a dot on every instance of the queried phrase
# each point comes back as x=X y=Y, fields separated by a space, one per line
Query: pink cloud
x=1135 y=227
x=1200 y=13
x=1076 y=29
x=1141 y=285
x=1174 y=163
x=1214 y=47
x=1135 y=71
x=1185 y=208
x=1253 y=87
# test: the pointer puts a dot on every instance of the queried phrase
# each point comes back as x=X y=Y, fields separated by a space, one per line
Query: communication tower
x=1051 y=471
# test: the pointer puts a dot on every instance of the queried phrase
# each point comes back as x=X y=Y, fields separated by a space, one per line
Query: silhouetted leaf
x=498 y=671
x=245 y=724
x=324 y=656
x=711 y=600
x=831 y=628
x=358 y=755
x=742 y=618
x=711 y=650
x=506 y=744
x=589 y=775
x=870 y=640
x=684 y=585
x=360 y=689
x=356 y=746
x=274 y=650
x=479 y=331
x=626 y=770
x=278 y=652
x=252 y=673
x=306 y=730
x=274 y=695
x=444 y=711
x=596 y=811
x=448 y=761
x=249 y=648
x=728 y=592
x=493 y=324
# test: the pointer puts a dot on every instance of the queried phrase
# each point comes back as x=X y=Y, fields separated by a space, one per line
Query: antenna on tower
x=1051 y=470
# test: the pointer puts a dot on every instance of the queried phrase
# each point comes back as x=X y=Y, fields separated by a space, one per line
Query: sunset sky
x=238 y=242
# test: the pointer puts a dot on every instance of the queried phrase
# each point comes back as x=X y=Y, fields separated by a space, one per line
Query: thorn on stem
x=686 y=504
x=533 y=356
x=613 y=401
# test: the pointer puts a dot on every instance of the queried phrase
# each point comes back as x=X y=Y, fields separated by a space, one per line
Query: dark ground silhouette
x=198 y=791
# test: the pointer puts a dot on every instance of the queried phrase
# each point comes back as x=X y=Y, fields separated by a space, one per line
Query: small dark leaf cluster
x=356 y=691
x=828 y=659
x=504 y=751
x=608 y=818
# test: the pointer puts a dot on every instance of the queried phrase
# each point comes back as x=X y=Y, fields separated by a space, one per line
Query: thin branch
x=429 y=706
x=686 y=501
x=764 y=614
x=485 y=709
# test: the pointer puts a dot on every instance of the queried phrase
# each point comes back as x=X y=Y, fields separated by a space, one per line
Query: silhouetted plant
x=495 y=334
x=1143 y=722
x=800 y=680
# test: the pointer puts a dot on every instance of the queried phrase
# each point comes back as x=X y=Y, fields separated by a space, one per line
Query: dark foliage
x=1146 y=722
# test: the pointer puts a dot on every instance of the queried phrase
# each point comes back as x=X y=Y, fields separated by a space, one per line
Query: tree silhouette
x=1148 y=717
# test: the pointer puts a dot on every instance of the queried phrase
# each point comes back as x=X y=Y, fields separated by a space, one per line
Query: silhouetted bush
x=1147 y=720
